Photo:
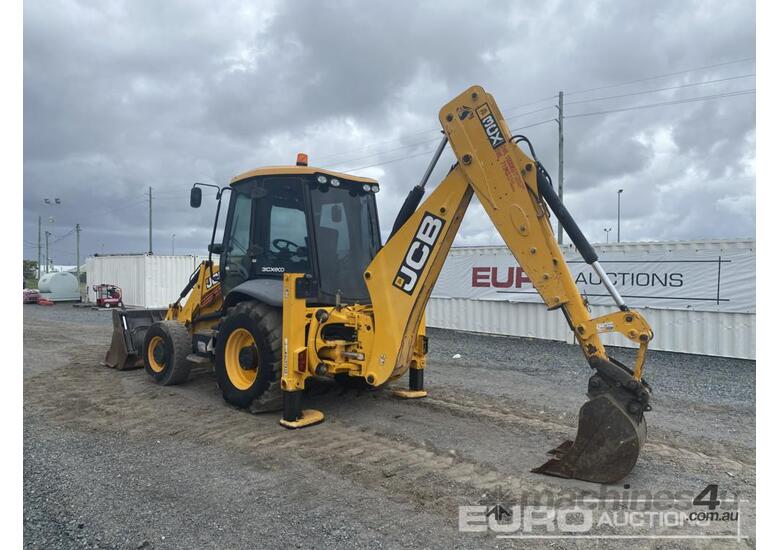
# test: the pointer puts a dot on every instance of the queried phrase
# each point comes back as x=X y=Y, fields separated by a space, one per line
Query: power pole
x=47 y=251
x=620 y=192
x=150 y=219
x=560 y=160
x=39 y=247
x=78 y=255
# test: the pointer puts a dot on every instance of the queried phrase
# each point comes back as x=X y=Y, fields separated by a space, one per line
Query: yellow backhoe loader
x=304 y=287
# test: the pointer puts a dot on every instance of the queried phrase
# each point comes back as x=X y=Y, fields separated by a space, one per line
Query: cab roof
x=303 y=170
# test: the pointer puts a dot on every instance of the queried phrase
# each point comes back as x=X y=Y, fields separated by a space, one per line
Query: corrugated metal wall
x=700 y=332
x=146 y=280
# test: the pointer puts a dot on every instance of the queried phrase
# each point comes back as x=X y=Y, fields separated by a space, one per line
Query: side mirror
x=196 y=195
x=215 y=248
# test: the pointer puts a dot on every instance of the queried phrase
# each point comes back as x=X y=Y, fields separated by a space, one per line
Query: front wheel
x=166 y=347
x=249 y=356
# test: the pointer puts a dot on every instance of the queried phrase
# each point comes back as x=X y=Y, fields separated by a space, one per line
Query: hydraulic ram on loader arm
x=515 y=191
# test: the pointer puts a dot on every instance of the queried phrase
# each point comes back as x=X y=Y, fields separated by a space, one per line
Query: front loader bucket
x=610 y=434
x=127 y=340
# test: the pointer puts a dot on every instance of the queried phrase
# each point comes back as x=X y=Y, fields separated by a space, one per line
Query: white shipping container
x=723 y=334
x=146 y=280
x=717 y=333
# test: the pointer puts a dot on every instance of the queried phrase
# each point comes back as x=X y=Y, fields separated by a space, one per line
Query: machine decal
x=418 y=253
x=212 y=280
x=490 y=125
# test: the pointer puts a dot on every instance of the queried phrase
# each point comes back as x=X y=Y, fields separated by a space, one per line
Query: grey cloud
x=120 y=96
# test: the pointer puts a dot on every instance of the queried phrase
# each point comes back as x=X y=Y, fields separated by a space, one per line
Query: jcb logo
x=212 y=280
x=491 y=127
x=419 y=253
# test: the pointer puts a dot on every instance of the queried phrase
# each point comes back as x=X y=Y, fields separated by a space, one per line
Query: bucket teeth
x=561 y=449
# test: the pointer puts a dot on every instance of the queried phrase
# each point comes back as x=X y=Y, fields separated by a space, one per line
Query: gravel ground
x=113 y=461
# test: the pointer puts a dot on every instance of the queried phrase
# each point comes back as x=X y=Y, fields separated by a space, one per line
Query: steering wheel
x=283 y=245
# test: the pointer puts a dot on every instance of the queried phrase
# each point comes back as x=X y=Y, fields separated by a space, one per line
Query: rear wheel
x=166 y=346
x=249 y=357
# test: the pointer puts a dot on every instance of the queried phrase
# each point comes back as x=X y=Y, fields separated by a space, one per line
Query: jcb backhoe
x=305 y=288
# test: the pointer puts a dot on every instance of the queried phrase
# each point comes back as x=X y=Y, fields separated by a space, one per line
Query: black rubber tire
x=265 y=324
x=177 y=346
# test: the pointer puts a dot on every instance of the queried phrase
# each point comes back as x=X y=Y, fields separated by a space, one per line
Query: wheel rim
x=156 y=344
x=242 y=377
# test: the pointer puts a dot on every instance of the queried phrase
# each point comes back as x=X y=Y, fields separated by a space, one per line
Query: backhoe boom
x=515 y=191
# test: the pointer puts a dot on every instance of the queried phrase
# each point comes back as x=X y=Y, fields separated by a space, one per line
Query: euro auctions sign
x=701 y=280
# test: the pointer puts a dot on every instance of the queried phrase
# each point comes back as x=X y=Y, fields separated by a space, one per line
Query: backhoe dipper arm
x=515 y=191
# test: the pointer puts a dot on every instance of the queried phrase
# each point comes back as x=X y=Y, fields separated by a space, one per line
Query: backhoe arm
x=515 y=191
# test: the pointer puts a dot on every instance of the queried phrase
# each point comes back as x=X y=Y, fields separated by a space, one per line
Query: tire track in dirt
x=507 y=413
x=88 y=397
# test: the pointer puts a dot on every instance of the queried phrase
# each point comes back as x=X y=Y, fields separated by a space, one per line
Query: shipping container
x=146 y=280
x=711 y=330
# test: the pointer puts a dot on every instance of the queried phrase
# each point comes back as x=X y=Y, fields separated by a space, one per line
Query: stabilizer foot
x=410 y=394
x=308 y=417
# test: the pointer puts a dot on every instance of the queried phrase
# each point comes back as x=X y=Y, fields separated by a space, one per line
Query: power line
x=126 y=205
x=386 y=151
x=390 y=161
x=63 y=236
x=603 y=98
x=332 y=156
x=627 y=82
x=364 y=147
x=432 y=150
x=578 y=115
x=539 y=123
x=673 y=102
x=529 y=112
x=660 y=89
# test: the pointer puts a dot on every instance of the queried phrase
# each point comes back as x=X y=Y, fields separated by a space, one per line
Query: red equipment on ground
x=30 y=295
x=108 y=295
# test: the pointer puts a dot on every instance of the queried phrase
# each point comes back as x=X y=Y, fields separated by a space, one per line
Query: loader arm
x=515 y=192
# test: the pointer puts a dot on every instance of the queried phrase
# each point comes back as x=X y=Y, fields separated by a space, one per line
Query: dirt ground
x=114 y=461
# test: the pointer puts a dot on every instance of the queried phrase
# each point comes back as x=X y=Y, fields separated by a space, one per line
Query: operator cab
x=298 y=219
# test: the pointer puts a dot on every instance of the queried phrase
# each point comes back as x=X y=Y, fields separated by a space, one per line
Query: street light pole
x=78 y=254
x=620 y=192
x=173 y=244
x=607 y=232
x=50 y=204
x=39 y=247
x=47 y=251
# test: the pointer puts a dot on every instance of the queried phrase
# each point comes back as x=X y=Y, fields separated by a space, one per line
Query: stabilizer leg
x=293 y=416
x=416 y=384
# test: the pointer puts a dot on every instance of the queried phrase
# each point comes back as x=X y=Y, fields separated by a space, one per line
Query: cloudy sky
x=123 y=95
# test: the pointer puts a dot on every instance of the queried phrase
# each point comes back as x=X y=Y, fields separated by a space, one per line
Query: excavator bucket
x=127 y=340
x=610 y=433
